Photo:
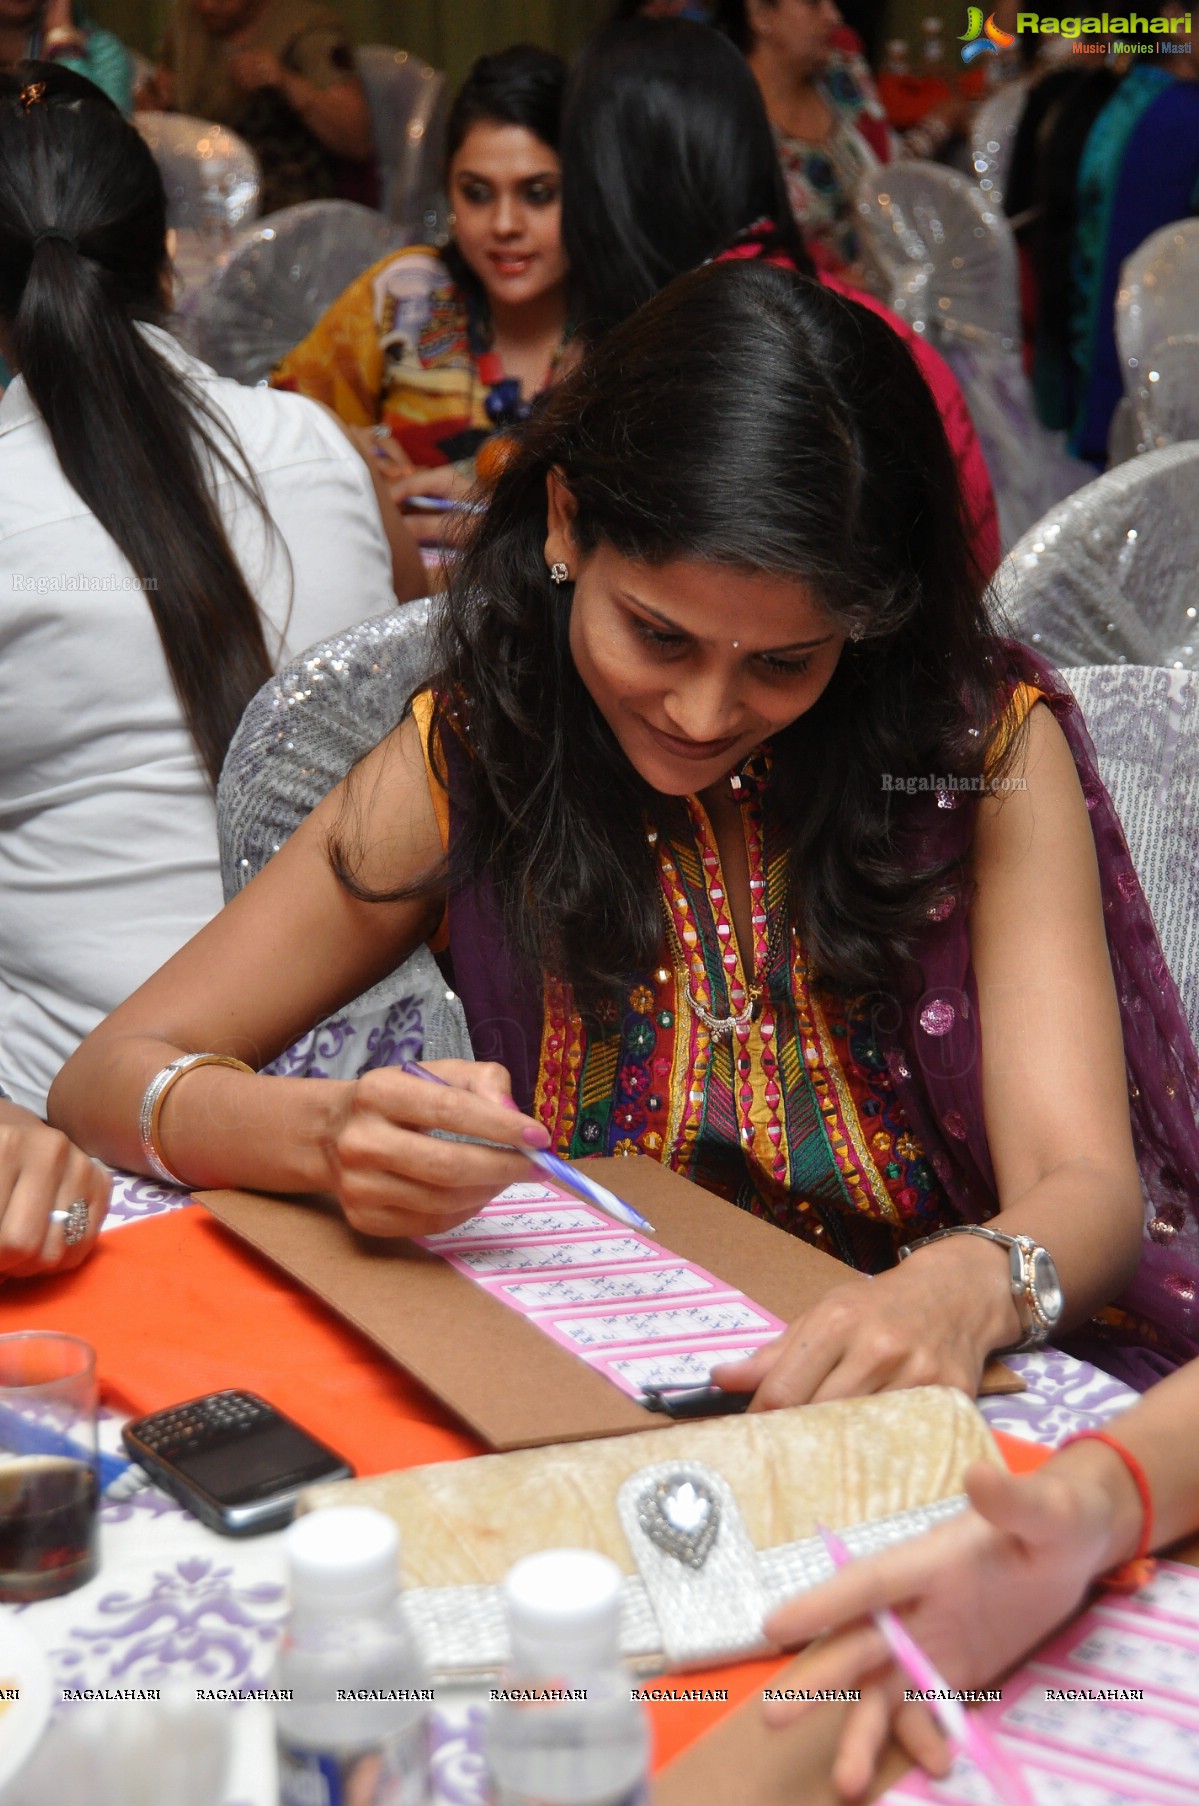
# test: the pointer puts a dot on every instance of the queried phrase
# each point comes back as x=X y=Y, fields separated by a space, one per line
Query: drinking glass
x=48 y=1475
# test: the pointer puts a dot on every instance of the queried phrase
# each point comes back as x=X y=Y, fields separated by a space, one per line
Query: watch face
x=1047 y=1287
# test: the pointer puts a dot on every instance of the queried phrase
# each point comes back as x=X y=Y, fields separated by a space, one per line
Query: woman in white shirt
x=167 y=539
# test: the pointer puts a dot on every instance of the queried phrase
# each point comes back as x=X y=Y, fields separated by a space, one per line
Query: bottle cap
x=564 y=1604
x=343 y=1559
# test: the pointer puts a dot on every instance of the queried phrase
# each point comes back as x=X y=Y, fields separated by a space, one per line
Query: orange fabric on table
x=1021 y=1457
x=175 y=1307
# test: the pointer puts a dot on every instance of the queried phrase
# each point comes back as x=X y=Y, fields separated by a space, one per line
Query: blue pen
x=22 y=1436
x=441 y=504
x=561 y=1170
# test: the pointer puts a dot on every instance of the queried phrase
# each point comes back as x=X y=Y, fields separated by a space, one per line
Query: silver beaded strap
x=155 y=1096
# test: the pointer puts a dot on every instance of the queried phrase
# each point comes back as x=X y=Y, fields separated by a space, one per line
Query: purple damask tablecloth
x=178 y=1608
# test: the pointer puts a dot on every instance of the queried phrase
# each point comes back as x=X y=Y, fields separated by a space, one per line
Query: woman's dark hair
x=523 y=86
x=519 y=86
x=732 y=17
x=667 y=155
x=82 y=262
x=748 y=418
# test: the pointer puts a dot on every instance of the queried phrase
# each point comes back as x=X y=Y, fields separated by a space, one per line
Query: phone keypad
x=170 y=1433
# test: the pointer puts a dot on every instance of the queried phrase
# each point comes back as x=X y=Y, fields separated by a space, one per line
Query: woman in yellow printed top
x=442 y=349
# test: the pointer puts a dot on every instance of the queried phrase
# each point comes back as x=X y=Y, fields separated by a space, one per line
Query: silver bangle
x=153 y=1099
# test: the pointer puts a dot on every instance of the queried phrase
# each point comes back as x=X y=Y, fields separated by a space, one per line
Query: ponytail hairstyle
x=82 y=262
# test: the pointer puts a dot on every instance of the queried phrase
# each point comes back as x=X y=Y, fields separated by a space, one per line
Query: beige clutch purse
x=713 y=1523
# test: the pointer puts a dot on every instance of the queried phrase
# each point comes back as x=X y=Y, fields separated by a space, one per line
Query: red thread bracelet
x=1135 y=1572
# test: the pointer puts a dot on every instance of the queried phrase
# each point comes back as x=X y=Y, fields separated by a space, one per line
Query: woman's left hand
x=931 y=1321
x=976 y=1593
x=42 y=1172
x=447 y=481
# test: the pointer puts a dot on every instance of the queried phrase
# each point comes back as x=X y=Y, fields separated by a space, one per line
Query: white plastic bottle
x=563 y=1729
x=354 y=1731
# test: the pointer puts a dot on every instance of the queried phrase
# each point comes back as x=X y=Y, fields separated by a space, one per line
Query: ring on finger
x=75 y=1221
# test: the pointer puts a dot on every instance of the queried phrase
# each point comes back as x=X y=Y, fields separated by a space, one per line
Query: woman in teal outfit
x=1139 y=172
x=57 y=31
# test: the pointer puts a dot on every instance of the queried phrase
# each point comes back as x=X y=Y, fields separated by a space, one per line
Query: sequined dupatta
x=933 y=1053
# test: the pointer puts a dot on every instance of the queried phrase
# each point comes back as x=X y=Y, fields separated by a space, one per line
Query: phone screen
x=248 y=1464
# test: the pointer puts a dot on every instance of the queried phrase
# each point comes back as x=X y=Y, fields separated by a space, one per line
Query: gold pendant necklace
x=723 y=1027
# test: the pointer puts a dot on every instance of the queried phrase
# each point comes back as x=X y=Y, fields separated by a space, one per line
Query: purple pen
x=963 y=1729
x=561 y=1170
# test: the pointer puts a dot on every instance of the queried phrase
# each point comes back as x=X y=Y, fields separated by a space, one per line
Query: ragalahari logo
x=981 y=35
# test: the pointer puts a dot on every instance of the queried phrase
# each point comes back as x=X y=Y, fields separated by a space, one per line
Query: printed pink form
x=635 y=1312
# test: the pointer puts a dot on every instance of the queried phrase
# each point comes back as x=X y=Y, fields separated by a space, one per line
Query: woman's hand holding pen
x=976 y=1593
x=393 y=1178
x=930 y=1322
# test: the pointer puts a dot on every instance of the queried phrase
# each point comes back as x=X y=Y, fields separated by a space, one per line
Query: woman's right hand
x=393 y=1178
x=42 y=1172
x=381 y=453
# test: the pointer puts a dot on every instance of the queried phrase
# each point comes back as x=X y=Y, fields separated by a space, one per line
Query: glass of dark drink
x=48 y=1477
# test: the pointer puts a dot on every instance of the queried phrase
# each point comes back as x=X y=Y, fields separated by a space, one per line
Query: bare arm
x=409 y=579
x=290 y=949
x=339 y=116
x=1055 y=1094
x=1056 y=1113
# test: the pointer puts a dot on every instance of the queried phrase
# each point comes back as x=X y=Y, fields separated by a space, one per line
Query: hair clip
x=30 y=94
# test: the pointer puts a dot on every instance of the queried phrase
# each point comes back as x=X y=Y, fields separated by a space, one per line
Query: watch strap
x=1022 y=1250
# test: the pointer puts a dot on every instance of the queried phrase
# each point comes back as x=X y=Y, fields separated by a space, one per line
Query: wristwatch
x=1036 y=1288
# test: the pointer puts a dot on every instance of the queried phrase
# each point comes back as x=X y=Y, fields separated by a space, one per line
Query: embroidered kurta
x=792 y=1115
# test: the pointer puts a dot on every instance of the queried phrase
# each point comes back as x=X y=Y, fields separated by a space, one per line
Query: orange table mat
x=175 y=1307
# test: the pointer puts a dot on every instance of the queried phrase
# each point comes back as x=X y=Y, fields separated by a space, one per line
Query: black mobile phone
x=232 y=1460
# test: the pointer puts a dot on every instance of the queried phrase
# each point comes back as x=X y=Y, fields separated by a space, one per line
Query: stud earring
x=559 y=573
x=736 y=644
x=855 y=634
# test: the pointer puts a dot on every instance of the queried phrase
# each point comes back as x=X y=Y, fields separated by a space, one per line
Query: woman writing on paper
x=764 y=857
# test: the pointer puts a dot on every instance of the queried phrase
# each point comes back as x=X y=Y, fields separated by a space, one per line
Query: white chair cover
x=408 y=112
x=278 y=280
x=1112 y=576
x=1168 y=393
x=299 y=737
x=1145 y=725
x=993 y=138
x=1157 y=300
x=949 y=262
x=211 y=175
x=1123 y=439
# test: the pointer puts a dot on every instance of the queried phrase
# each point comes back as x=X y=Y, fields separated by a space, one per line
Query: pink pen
x=962 y=1728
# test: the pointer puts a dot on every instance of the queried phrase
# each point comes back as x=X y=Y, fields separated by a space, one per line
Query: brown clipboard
x=510 y=1383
